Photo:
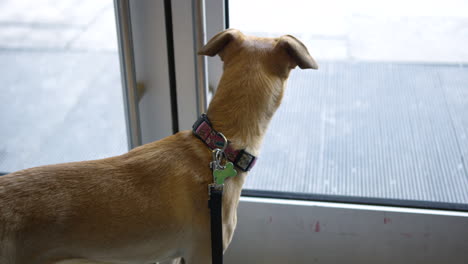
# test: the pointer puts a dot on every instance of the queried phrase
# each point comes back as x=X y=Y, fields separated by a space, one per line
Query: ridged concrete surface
x=370 y=130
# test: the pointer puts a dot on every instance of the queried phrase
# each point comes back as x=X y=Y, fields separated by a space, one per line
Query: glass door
x=61 y=94
x=384 y=120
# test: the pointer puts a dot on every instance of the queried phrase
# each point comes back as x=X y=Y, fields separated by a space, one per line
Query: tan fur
x=149 y=204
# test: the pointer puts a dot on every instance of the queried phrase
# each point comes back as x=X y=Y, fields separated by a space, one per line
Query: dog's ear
x=298 y=52
x=219 y=41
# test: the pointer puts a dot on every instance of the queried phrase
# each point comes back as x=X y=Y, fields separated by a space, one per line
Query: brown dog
x=150 y=204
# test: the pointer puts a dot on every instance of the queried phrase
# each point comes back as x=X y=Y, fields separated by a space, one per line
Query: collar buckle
x=203 y=129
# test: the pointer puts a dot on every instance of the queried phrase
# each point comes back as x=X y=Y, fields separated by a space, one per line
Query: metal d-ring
x=225 y=142
x=218 y=154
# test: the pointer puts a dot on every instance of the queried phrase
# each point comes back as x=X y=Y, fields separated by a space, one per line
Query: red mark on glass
x=387 y=220
x=407 y=235
x=317 y=227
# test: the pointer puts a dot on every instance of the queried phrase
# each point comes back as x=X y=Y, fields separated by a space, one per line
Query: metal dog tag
x=221 y=174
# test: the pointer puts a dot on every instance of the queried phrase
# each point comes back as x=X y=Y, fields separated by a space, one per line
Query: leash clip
x=221 y=171
x=218 y=155
x=215 y=187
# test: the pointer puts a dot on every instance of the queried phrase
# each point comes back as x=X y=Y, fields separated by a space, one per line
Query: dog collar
x=203 y=129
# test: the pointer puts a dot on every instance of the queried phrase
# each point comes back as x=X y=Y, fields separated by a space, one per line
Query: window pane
x=61 y=95
x=385 y=116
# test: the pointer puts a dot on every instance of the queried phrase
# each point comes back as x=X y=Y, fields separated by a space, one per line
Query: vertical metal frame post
x=215 y=21
x=201 y=65
x=127 y=68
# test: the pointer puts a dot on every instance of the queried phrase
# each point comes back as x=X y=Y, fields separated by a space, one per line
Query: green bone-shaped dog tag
x=221 y=175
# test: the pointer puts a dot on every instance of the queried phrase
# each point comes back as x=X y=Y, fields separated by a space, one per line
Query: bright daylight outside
x=61 y=90
x=385 y=116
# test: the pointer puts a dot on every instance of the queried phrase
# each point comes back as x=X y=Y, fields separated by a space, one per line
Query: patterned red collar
x=206 y=133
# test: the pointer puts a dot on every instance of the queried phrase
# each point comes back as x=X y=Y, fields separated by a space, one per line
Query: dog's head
x=275 y=55
x=253 y=82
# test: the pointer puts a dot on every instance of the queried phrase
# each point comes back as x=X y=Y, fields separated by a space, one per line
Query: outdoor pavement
x=385 y=116
x=370 y=129
x=61 y=96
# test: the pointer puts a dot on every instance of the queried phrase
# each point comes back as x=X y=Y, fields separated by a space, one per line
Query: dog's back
x=7 y=231
x=35 y=205
x=81 y=209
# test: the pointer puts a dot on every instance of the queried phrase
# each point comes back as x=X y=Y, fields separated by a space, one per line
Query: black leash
x=222 y=153
x=215 y=205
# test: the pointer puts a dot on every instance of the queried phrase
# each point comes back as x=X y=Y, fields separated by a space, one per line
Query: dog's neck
x=245 y=124
x=242 y=109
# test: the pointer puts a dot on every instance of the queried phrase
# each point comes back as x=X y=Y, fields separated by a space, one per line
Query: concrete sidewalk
x=61 y=90
x=70 y=25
